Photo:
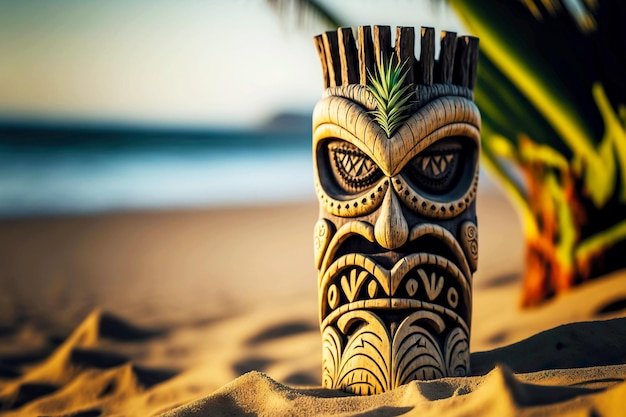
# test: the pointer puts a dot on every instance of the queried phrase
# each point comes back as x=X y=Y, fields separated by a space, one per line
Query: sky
x=202 y=63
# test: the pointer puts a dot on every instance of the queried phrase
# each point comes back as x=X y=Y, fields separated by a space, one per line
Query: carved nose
x=391 y=229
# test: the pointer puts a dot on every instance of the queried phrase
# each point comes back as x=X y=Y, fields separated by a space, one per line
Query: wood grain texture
x=405 y=51
x=446 y=57
x=427 y=56
x=473 y=61
x=382 y=43
x=466 y=61
x=385 y=323
x=396 y=242
x=318 y=41
x=348 y=56
x=367 y=59
x=331 y=51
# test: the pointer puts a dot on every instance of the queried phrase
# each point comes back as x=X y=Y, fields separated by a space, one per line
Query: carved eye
x=437 y=169
x=352 y=169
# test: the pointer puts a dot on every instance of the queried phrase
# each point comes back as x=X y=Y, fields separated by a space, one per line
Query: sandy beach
x=214 y=312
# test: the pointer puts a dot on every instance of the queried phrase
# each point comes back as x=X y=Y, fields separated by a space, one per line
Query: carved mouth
x=416 y=281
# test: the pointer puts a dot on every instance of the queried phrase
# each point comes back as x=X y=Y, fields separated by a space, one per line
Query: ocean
x=84 y=170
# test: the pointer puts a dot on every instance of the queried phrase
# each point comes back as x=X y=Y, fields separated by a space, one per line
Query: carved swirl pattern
x=469 y=242
x=374 y=359
x=322 y=235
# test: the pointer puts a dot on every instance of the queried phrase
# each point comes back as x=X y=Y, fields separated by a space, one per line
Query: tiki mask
x=395 y=145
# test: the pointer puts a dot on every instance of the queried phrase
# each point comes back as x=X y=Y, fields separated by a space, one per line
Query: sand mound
x=594 y=352
x=574 y=369
x=575 y=345
x=499 y=393
x=83 y=376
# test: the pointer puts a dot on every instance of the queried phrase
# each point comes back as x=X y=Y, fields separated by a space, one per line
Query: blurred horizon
x=69 y=169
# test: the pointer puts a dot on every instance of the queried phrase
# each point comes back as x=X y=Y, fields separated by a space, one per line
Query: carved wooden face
x=396 y=242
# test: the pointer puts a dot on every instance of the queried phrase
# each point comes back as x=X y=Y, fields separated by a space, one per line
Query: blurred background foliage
x=552 y=94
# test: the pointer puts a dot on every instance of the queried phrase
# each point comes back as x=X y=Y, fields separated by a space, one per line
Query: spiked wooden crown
x=344 y=62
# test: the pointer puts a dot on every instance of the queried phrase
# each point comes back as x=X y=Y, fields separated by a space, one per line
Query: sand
x=213 y=312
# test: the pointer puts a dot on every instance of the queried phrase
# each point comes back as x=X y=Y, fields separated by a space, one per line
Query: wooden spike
x=462 y=62
x=319 y=45
x=367 y=60
x=473 y=60
x=427 y=56
x=446 y=57
x=405 y=50
x=348 y=56
x=331 y=48
x=382 y=43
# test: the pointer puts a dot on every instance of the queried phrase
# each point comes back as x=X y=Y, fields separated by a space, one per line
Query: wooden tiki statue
x=395 y=145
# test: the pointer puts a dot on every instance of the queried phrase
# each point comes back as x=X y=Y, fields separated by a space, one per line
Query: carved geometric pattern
x=435 y=165
x=355 y=169
x=352 y=285
x=439 y=168
x=352 y=272
x=433 y=285
x=374 y=360
x=396 y=239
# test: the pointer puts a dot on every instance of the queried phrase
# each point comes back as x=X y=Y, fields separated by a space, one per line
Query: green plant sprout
x=390 y=94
